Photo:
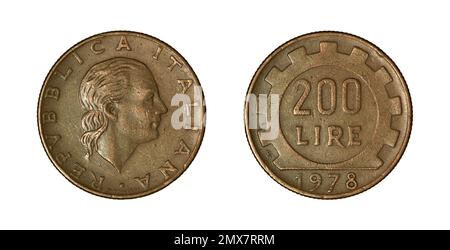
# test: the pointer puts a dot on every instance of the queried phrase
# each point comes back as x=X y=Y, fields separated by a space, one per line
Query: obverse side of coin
x=121 y=114
x=328 y=115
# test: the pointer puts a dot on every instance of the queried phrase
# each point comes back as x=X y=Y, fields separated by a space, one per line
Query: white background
x=224 y=42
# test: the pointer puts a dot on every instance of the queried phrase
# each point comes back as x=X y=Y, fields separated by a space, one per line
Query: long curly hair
x=105 y=83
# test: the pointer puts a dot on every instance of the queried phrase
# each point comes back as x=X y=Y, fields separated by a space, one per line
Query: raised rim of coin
x=360 y=189
x=53 y=68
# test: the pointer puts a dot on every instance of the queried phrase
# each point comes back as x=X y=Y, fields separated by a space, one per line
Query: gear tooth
x=396 y=106
x=263 y=142
x=376 y=162
x=297 y=55
x=272 y=152
x=327 y=47
x=383 y=76
x=391 y=89
x=396 y=122
x=359 y=55
x=276 y=162
x=383 y=154
x=274 y=75
x=391 y=138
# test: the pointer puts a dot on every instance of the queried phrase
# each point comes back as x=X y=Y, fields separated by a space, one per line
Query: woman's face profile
x=139 y=111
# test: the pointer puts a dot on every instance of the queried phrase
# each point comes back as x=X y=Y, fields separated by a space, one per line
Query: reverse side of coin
x=328 y=115
x=121 y=114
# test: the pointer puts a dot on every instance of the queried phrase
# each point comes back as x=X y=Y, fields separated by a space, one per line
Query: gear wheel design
x=381 y=83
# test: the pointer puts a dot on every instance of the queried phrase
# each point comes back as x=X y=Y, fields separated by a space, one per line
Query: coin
x=121 y=114
x=328 y=115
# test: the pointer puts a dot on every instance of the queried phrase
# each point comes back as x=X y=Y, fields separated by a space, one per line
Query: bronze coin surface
x=328 y=115
x=121 y=114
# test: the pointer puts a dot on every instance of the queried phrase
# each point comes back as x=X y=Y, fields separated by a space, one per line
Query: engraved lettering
x=51 y=140
x=97 y=180
x=299 y=137
x=298 y=107
x=316 y=135
x=299 y=179
x=335 y=178
x=332 y=85
x=185 y=84
x=96 y=47
x=157 y=53
x=334 y=135
x=77 y=170
x=349 y=83
x=175 y=62
x=351 y=182
x=315 y=179
x=357 y=100
x=78 y=58
x=61 y=158
x=48 y=117
x=353 y=135
x=183 y=149
x=143 y=181
x=52 y=93
x=65 y=75
x=166 y=168
x=123 y=44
